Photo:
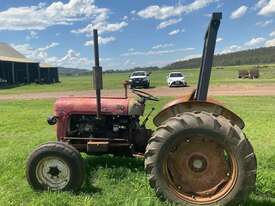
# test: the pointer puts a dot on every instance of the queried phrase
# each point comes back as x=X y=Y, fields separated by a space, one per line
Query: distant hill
x=72 y=71
x=264 y=55
x=258 y=56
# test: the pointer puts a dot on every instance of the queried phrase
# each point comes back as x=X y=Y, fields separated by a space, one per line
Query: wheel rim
x=198 y=170
x=53 y=172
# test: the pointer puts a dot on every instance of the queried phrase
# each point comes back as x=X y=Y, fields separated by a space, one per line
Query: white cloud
x=270 y=43
x=219 y=39
x=208 y=15
x=267 y=8
x=41 y=16
x=125 y=18
x=230 y=49
x=260 y=4
x=174 y=32
x=39 y=54
x=164 y=12
x=131 y=49
x=238 y=13
x=272 y=34
x=162 y=46
x=255 y=42
x=156 y=52
x=101 y=40
x=105 y=59
x=188 y=57
x=220 y=5
x=129 y=62
x=169 y=22
x=73 y=59
x=264 y=23
x=103 y=26
x=32 y=35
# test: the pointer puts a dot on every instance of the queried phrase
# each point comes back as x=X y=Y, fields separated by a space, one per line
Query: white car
x=176 y=79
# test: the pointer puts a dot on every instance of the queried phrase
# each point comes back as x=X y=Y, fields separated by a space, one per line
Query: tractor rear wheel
x=198 y=158
x=55 y=166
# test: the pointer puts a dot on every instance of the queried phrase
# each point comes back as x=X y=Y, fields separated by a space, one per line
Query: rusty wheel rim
x=199 y=170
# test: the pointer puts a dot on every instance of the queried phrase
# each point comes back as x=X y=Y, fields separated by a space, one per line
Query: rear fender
x=186 y=104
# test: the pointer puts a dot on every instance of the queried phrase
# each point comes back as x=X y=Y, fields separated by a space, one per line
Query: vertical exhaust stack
x=207 y=57
x=97 y=76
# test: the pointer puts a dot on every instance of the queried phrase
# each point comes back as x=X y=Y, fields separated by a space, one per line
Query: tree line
x=258 y=56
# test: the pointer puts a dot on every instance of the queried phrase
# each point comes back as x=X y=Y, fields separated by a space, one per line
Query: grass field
x=228 y=75
x=116 y=181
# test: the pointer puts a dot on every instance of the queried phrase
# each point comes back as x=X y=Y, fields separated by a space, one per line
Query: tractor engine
x=118 y=130
x=87 y=126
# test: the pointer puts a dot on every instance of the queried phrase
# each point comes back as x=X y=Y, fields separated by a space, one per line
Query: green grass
x=115 y=181
x=228 y=75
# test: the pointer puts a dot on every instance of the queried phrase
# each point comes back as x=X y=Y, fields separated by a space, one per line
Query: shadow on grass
x=119 y=167
x=109 y=161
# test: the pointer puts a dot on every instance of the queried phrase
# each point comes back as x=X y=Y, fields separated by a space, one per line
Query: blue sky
x=132 y=33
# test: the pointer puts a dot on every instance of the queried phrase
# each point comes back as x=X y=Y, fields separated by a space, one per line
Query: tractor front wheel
x=200 y=159
x=55 y=166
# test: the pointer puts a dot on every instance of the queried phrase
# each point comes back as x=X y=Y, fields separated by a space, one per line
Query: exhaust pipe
x=207 y=57
x=97 y=76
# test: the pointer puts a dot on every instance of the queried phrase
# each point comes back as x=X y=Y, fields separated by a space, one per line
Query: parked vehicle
x=176 y=79
x=139 y=79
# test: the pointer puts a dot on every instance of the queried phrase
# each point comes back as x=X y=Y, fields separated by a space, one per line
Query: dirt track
x=235 y=90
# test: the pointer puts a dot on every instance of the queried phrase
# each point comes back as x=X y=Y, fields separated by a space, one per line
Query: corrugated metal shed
x=48 y=73
x=8 y=53
x=16 y=69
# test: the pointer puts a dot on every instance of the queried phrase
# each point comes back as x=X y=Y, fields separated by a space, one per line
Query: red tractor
x=198 y=155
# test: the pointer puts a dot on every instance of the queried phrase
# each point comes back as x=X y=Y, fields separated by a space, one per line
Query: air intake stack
x=97 y=76
x=207 y=57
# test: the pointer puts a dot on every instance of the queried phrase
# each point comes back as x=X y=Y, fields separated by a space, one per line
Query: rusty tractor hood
x=87 y=105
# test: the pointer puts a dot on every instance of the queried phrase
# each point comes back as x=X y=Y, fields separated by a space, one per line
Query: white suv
x=139 y=79
x=176 y=79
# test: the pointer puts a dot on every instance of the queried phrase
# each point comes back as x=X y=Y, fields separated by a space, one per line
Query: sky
x=131 y=33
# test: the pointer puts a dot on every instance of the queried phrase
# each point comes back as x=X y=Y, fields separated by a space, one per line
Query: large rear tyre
x=55 y=166
x=200 y=159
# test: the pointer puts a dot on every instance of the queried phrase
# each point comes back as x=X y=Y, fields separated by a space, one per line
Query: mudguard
x=188 y=104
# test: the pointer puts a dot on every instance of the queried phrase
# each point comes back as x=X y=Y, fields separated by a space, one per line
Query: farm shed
x=15 y=68
x=48 y=74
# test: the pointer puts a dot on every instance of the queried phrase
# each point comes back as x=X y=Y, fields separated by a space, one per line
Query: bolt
x=228 y=174
x=188 y=140
x=179 y=187
x=174 y=149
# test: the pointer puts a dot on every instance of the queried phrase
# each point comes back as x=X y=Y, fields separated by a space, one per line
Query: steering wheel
x=145 y=95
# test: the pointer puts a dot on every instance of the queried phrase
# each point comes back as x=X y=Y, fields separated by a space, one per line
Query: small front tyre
x=55 y=166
